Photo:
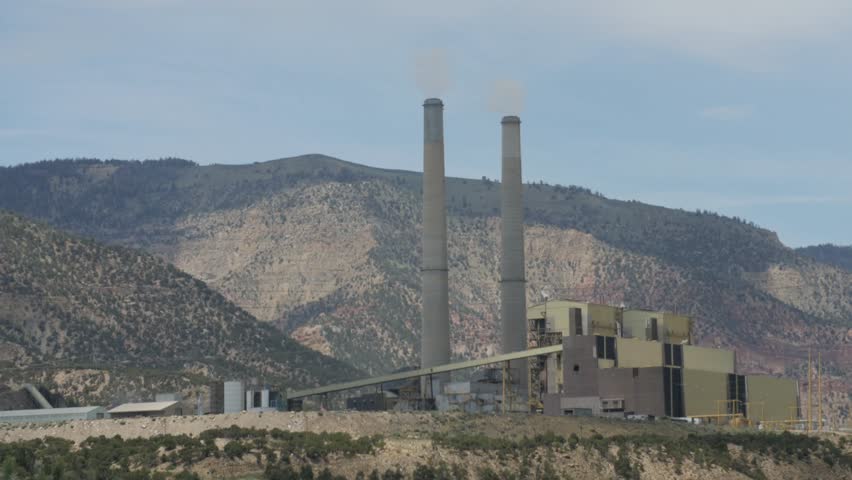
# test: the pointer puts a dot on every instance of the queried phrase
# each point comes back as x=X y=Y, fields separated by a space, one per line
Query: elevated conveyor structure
x=424 y=372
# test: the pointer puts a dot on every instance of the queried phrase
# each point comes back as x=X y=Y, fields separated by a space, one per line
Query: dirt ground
x=411 y=426
x=408 y=443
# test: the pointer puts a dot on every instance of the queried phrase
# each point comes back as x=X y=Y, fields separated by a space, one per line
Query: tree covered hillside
x=72 y=303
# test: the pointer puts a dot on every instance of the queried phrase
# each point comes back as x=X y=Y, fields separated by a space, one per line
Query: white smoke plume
x=432 y=71
x=507 y=97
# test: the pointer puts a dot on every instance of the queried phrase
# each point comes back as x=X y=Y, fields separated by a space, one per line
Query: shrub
x=235 y=449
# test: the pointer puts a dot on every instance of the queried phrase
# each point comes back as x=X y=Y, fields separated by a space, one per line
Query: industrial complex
x=560 y=357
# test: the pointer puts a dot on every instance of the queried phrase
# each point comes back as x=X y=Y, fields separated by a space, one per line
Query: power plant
x=561 y=357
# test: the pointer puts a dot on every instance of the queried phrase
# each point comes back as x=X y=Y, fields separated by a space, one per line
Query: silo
x=234 y=396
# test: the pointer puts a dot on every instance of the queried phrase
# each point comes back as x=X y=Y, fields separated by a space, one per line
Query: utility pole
x=819 y=391
x=808 y=428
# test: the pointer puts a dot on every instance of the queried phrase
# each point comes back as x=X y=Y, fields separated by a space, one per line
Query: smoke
x=507 y=97
x=432 y=71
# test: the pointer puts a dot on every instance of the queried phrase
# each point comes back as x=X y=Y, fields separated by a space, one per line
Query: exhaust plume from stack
x=513 y=303
x=435 y=336
x=432 y=72
x=507 y=97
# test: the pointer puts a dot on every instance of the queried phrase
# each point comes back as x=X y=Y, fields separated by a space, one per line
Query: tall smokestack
x=435 y=338
x=513 y=301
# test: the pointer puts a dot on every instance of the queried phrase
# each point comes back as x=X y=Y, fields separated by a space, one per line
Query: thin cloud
x=20 y=132
x=727 y=112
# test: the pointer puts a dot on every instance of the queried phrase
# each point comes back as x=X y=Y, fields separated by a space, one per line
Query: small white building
x=146 y=409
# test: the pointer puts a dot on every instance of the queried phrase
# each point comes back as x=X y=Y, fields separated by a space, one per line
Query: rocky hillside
x=329 y=251
x=836 y=255
x=94 y=321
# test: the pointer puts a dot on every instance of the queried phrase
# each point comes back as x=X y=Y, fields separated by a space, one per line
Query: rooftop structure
x=146 y=409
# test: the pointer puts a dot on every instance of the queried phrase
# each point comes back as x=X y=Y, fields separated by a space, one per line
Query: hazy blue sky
x=737 y=106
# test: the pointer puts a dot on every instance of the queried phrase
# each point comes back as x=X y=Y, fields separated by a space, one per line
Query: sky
x=742 y=107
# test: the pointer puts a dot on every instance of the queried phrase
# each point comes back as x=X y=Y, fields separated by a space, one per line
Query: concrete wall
x=641 y=389
x=592 y=404
x=602 y=319
x=678 y=328
x=701 y=390
x=636 y=353
x=671 y=327
x=636 y=321
x=708 y=359
x=606 y=363
x=557 y=314
x=580 y=366
x=777 y=394
x=551 y=403
x=649 y=392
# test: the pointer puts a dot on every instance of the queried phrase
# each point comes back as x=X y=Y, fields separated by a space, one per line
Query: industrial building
x=234 y=396
x=48 y=415
x=147 y=409
x=618 y=362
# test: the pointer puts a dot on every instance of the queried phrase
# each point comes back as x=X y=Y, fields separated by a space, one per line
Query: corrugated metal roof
x=142 y=407
x=48 y=411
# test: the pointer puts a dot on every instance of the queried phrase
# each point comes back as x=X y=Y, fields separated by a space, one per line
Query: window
x=610 y=348
x=736 y=394
x=677 y=355
x=576 y=368
x=576 y=316
x=673 y=354
x=654 y=333
x=635 y=372
x=673 y=392
x=677 y=393
x=605 y=347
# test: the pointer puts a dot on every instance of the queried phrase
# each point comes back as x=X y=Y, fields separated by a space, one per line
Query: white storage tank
x=234 y=396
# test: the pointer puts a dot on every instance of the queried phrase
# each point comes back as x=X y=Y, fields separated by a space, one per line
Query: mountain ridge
x=329 y=251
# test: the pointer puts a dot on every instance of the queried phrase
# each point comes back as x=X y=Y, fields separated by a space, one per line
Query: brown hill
x=92 y=320
x=328 y=250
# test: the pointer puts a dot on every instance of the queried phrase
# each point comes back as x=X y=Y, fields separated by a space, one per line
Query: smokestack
x=513 y=301
x=435 y=337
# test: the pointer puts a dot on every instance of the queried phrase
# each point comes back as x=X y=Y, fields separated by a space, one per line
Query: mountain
x=76 y=312
x=329 y=252
x=836 y=255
